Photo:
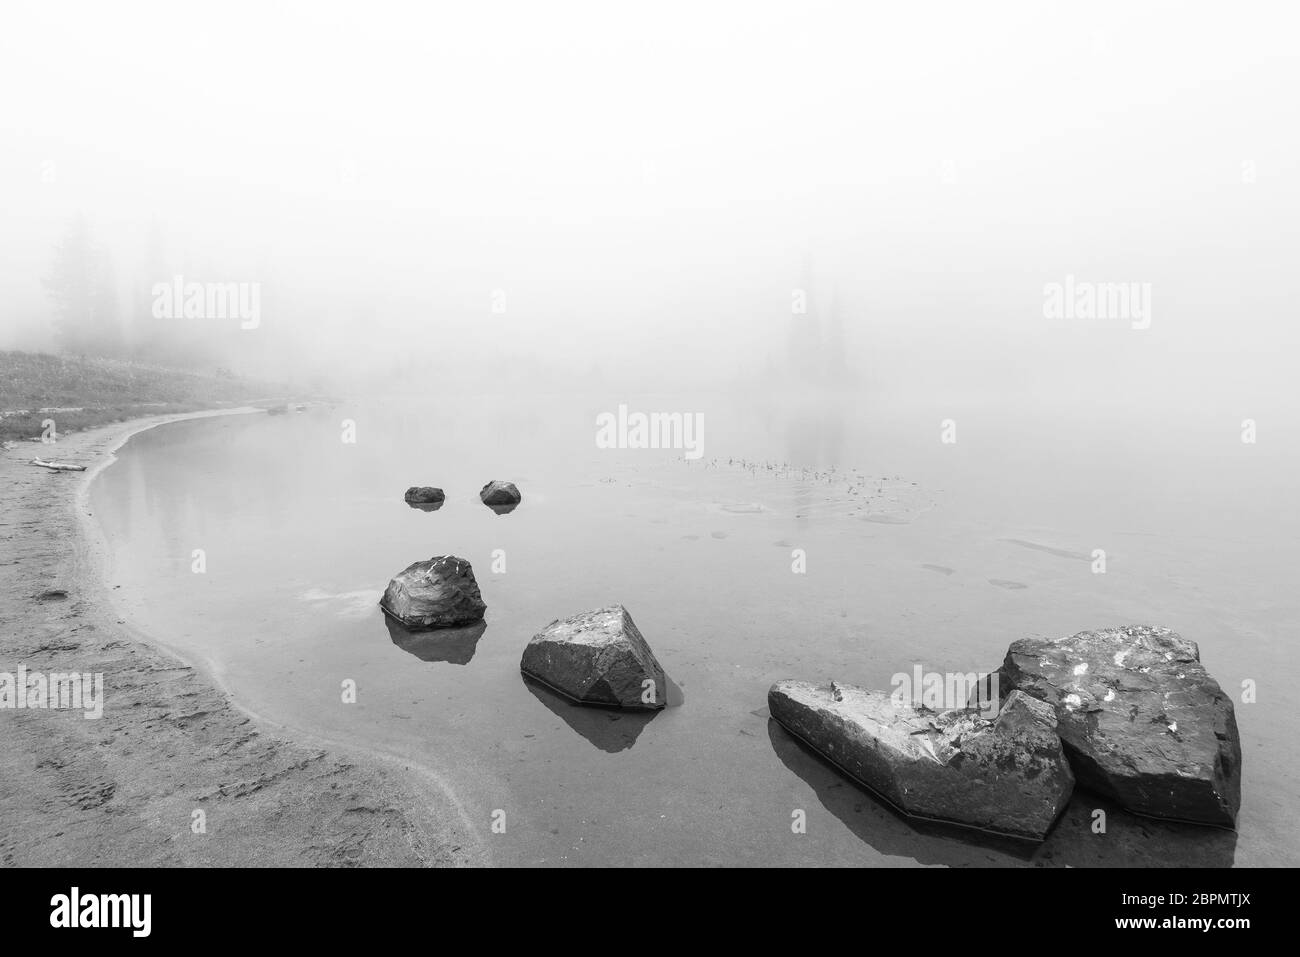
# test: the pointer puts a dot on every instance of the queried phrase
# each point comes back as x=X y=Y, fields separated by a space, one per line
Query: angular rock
x=1143 y=722
x=424 y=495
x=500 y=493
x=439 y=593
x=599 y=658
x=1008 y=776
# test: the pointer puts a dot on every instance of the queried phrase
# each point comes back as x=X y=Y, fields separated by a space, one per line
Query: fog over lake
x=831 y=341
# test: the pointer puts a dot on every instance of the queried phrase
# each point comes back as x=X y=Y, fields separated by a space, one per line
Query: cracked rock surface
x=1142 y=720
x=1007 y=775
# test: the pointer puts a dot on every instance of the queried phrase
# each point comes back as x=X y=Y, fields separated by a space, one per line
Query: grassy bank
x=83 y=393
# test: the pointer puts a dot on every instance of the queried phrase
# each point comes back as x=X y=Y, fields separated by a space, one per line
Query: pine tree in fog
x=81 y=287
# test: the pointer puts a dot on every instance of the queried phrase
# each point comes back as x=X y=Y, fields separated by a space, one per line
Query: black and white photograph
x=715 y=435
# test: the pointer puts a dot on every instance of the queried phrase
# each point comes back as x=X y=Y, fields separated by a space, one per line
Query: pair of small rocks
x=494 y=493
x=1130 y=713
x=598 y=657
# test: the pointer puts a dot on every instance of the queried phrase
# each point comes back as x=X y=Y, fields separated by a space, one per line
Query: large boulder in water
x=598 y=657
x=1143 y=722
x=1006 y=776
x=500 y=493
x=439 y=593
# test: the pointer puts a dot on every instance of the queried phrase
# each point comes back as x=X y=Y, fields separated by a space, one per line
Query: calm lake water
x=917 y=552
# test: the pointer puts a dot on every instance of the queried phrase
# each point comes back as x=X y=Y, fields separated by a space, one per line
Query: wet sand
x=123 y=790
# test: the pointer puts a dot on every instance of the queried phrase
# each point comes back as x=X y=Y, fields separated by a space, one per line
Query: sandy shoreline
x=123 y=790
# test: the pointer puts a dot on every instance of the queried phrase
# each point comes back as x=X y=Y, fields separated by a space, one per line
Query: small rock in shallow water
x=439 y=593
x=500 y=493
x=1008 y=776
x=424 y=495
x=598 y=657
x=1143 y=722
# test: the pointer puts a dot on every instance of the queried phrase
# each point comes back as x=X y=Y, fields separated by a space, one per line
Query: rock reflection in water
x=610 y=729
x=453 y=645
x=1129 y=840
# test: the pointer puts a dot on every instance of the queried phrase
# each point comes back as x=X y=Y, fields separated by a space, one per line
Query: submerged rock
x=1143 y=722
x=500 y=493
x=424 y=495
x=439 y=593
x=1007 y=776
x=598 y=657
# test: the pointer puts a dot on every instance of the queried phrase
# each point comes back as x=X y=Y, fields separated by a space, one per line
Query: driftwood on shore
x=58 y=466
